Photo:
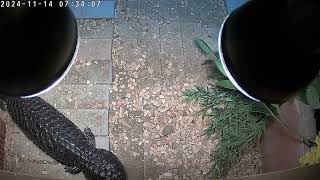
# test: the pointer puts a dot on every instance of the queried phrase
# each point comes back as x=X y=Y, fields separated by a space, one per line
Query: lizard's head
x=104 y=165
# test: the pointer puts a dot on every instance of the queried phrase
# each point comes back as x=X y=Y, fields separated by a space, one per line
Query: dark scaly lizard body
x=60 y=138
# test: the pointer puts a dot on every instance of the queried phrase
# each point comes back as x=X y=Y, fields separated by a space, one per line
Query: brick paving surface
x=154 y=132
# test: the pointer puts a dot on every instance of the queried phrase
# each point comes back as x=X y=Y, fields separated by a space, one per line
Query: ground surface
x=136 y=68
x=152 y=129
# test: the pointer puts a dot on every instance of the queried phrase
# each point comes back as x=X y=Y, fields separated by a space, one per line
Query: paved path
x=155 y=133
x=83 y=96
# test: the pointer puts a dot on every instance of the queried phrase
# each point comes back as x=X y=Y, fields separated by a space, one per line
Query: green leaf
x=261 y=109
x=316 y=84
x=203 y=46
x=312 y=96
x=208 y=61
x=301 y=96
x=226 y=84
x=218 y=63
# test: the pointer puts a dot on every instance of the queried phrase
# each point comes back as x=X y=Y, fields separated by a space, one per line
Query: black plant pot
x=37 y=48
x=271 y=49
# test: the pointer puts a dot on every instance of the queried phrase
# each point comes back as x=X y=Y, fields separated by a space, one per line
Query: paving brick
x=95 y=29
x=96 y=120
x=46 y=170
x=93 y=49
x=210 y=36
x=150 y=73
x=211 y=22
x=102 y=142
x=127 y=30
x=79 y=96
x=212 y=9
x=25 y=150
x=128 y=50
x=131 y=153
x=149 y=29
x=190 y=31
x=170 y=39
x=132 y=7
x=95 y=71
x=169 y=9
x=189 y=10
x=149 y=9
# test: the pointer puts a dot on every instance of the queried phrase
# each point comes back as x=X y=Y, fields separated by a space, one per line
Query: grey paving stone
x=93 y=49
x=95 y=71
x=149 y=8
x=170 y=39
x=210 y=36
x=190 y=31
x=131 y=7
x=150 y=73
x=24 y=150
x=149 y=29
x=95 y=28
x=128 y=50
x=189 y=11
x=102 y=142
x=79 y=96
x=127 y=141
x=45 y=170
x=211 y=22
x=96 y=120
x=169 y=9
x=212 y=9
x=127 y=30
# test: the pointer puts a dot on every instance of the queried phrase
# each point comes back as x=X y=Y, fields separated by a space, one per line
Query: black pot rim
x=225 y=68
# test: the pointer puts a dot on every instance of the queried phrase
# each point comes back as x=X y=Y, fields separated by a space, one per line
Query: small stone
x=88 y=64
x=168 y=129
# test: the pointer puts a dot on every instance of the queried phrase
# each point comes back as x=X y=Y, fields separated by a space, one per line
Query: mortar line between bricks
x=95 y=38
x=95 y=83
x=110 y=88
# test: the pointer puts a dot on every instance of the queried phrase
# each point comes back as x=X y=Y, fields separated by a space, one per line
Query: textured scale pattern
x=60 y=138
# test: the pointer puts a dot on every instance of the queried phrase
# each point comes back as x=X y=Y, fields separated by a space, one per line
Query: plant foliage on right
x=235 y=120
x=312 y=157
x=238 y=122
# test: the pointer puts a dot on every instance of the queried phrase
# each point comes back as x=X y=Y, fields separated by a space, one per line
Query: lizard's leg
x=72 y=169
x=90 y=136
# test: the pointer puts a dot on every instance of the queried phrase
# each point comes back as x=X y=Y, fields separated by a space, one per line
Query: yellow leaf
x=312 y=157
